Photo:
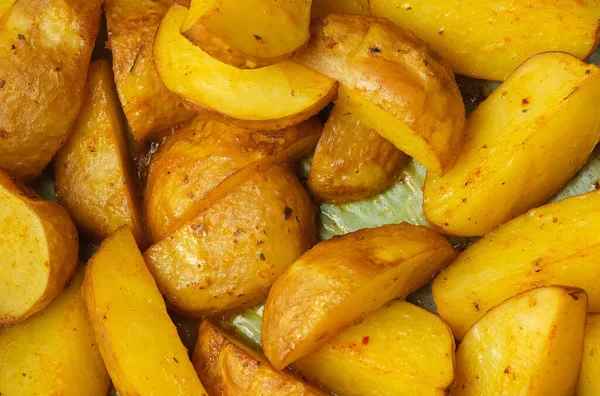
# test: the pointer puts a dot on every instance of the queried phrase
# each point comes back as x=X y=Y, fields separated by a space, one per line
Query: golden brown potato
x=556 y=244
x=488 y=40
x=352 y=161
x=528 y=345
x=94 y=175
x=393 y=82
x=589 y=374
x=340 y=281
x=269 y=98
x=205 y=160
x=137 y=340
x=523 y=143
x=53 y=352
x=400 y=349
x=45 y=48
x=227 y=257
x=148 y=105
x=321 y=8
x=5 y=6
x=38 y=246
x=250 y=33
x=228 y=368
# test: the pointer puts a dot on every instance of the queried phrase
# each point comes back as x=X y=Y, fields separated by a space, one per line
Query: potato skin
x=589 y=375
x=42 y=75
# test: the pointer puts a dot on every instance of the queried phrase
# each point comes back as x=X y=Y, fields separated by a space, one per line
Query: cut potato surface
x=339 y=282
x=269 y=98
x=589 y=375
x=321 y=8
x=5 y=6
x=530 y=344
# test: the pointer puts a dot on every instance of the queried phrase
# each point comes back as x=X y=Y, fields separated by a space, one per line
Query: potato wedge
x=589 y=375
x=248 y=34
x=352 y=161
x=554 y=244
x=205 y=160
x=321 y=8
x=227 y=257
x=38 y=246
x=392 y=82
x=137 y=340
x=229 y=368
x=523 y=143
x=270 y=98
x=38 y=356
x=94 y=175
x=529 y=345
x=340 y=281
x=400 y=349
x=488 y=40
x=45 y=49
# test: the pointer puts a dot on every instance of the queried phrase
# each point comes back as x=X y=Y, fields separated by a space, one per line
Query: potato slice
x=45 y=49
x=400 y=349
x=487 y=40
x=137 y=339
x=38 y=246
x=38 y=356
x=94 y=175
x=556 y=244
x=589 y=375
x=229 y=368
x=227 y=257
x=340 y=281
x=528 y=345
x=321 y=8
x=270 y=98
x=393 y=82
x=352 y=161
x=523 y=144
x=248 y=34
x=148 y=105
x=205 y=160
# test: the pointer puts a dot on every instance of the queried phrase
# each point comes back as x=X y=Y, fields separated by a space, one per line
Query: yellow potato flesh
x=589 y=375
x=339 y=282
x=488 y=40
x=272 y=97
x=321 y=8
x=248 y=34
x=5 y=5
x=529 y=345
x=400 y=349
x=138 y=342
x=554 y=244
x=523 y=144
x=94 y=175
x=53 y=352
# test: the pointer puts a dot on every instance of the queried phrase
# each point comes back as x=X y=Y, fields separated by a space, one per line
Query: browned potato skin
x=42 y=81
x=205 y=160
x=132 y=25
x=352 y=161
x=94 y=175
x=228 y=368
x=227 y=257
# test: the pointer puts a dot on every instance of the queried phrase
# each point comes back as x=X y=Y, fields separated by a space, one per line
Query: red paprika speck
x=365 y=340
x=525 y=101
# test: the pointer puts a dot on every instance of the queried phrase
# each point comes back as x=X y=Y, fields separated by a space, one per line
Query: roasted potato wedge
x=45 y=49
x=529 y=345
x=228 y=368
x=352 y=161
x=487 y=40
x=38 y=356
x=227 y=257
x=270 y=98
x=94 y=175
x=554 y=244
x=340 y=281
x=393 y=82
x=148 y=105
x=400 y=349
x=523 y=144
x=248 y=34
x=589 y=375
x=205 y=160
x=38 y=246
x=321 y=8
x=137 y=340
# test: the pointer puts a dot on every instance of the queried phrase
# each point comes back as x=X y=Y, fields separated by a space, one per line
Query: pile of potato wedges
x=151 y=200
